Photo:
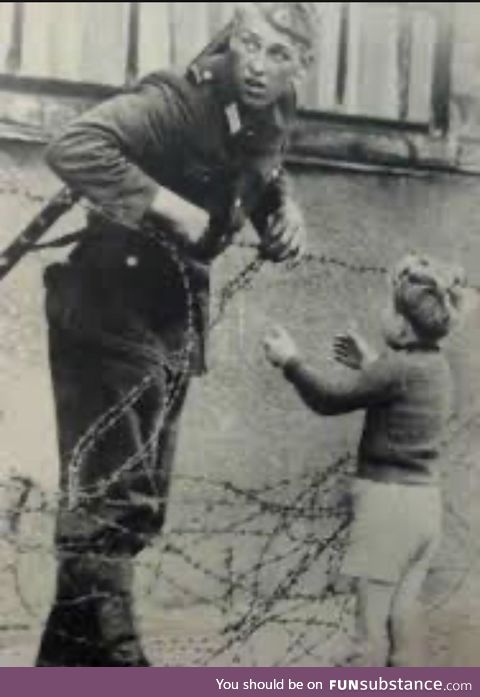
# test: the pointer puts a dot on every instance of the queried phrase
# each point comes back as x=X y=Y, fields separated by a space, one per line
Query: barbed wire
x=271 y=516
x=267 y=586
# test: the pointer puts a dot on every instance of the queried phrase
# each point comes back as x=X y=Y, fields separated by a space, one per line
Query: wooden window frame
x=315 y=126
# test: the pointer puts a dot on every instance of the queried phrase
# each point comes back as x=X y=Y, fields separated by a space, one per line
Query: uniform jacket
x=184 y=133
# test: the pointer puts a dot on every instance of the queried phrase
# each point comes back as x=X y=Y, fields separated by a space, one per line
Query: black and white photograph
x=239 y=334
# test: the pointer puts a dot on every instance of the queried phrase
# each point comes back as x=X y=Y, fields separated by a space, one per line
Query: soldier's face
x=265 y=62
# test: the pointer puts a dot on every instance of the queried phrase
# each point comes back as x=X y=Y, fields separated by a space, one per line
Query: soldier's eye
x=250 y=42
x=280 y=54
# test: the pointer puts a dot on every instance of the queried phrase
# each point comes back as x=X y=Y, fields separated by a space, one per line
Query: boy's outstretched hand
x=352 y=350
x=279 y=347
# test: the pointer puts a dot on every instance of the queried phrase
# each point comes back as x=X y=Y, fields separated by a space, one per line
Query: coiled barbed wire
x=262 y=610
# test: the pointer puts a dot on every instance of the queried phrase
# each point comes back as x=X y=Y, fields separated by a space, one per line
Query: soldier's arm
x=275 y=193
x=101 y=157
x=277 y=217
x=279 y=221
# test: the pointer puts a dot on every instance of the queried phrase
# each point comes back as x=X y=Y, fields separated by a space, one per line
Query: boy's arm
x=352 y=350
x=375 y=384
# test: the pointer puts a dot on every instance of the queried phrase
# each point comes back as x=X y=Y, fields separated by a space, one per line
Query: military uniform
x=120 y=313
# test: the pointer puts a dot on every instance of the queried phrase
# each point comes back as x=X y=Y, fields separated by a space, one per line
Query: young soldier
x=406 y=392
x=190 y=159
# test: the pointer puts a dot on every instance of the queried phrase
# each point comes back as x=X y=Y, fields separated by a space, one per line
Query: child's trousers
x=390 y=625
x=395 y=535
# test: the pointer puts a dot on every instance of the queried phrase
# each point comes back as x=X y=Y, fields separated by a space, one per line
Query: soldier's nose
x=257 y=66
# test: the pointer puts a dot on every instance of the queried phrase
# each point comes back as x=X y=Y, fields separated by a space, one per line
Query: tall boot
x=116 y=619
x=92 y=622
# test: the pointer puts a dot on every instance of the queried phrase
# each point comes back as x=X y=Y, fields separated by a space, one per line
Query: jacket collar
x=215 y=70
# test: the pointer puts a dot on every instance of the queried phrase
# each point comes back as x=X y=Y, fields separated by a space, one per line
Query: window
x=383 y=61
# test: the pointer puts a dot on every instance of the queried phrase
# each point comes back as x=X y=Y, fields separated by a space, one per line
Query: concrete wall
x=250 y=455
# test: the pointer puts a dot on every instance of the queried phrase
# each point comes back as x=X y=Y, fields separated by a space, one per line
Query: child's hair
x=428 y=294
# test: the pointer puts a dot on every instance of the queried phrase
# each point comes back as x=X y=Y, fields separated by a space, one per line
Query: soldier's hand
x=188 y=222
x=286 y=236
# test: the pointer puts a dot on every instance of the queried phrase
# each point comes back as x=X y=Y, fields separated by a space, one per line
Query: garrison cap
x=297 y=19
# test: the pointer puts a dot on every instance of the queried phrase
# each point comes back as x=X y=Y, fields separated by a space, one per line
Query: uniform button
x=238 y=203
x=132 y=262
x=207 y=75
x=276 y=173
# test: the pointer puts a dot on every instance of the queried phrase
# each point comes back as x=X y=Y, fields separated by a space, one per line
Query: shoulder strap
x=62 y=202
x=58 y=242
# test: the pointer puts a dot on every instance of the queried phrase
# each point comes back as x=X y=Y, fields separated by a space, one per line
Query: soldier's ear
x=305 y=61
x=300 y=74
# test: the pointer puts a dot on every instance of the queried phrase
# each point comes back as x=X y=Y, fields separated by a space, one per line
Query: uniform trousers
x=118 y=407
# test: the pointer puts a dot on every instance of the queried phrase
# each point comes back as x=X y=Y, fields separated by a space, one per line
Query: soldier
x=173 y=170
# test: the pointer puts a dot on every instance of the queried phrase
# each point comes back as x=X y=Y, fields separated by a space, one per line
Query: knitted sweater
x=407 y=396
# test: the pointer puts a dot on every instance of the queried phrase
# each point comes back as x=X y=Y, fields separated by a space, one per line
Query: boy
x=406 y=393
